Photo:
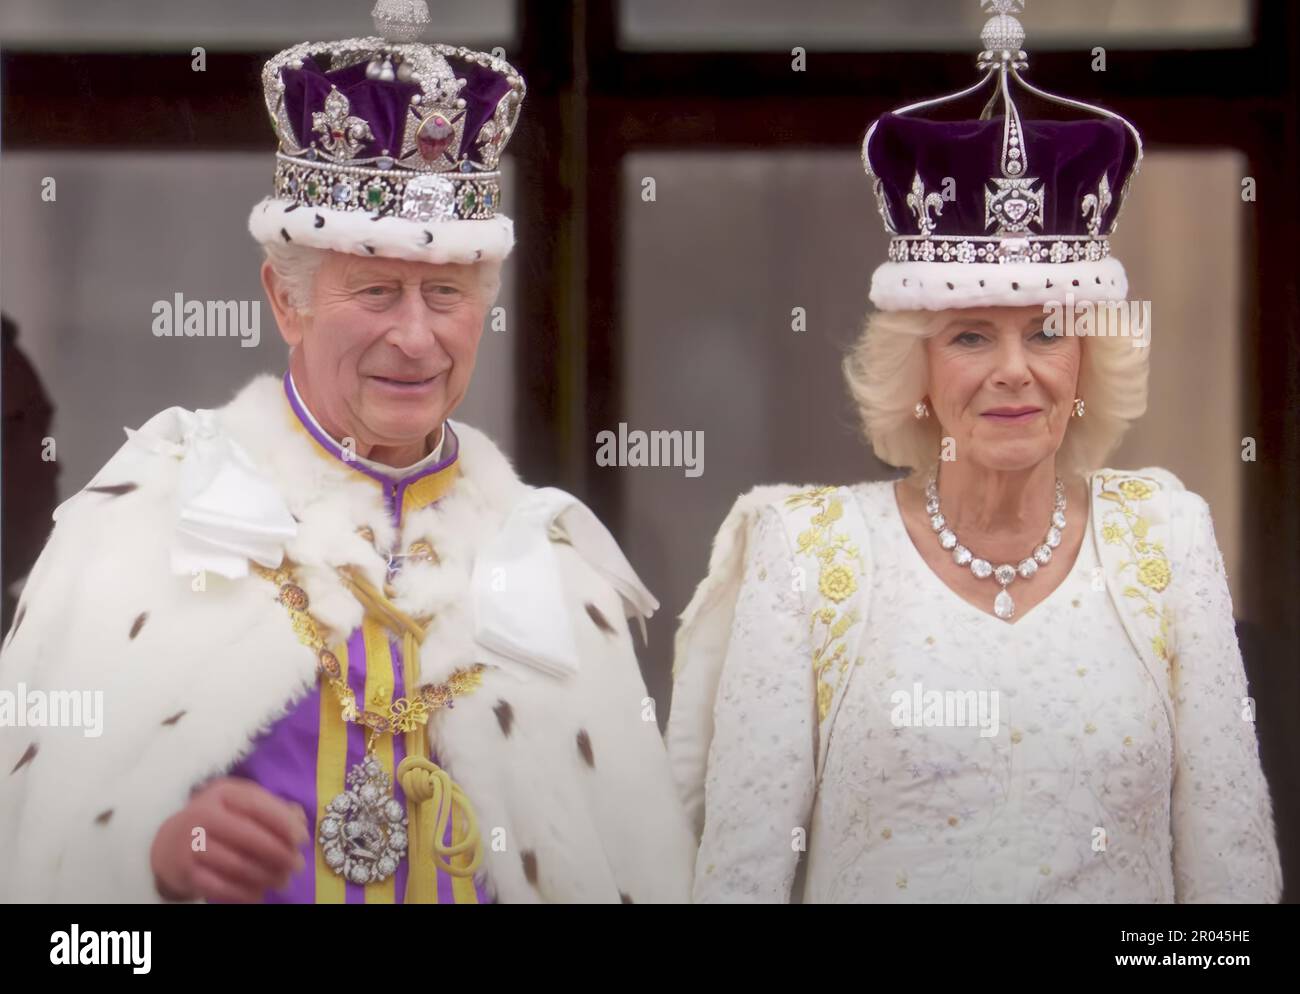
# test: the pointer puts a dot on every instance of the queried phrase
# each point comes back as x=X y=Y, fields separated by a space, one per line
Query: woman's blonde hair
x=887 y=375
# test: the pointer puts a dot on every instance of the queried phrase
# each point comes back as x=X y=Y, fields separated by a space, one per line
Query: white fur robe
x=570 y=773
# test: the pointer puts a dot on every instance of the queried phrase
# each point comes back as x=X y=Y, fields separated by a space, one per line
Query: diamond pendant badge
x=363 y=834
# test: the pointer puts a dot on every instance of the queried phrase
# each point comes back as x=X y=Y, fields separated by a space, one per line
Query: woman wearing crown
x=1011 y=676
x=346 y=655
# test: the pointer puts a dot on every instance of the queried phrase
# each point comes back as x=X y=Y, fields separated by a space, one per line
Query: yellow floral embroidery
x=1135 y=489
x=1154 y=573
x=1158 y=643
x=824 y=695
x=837 y=580
x=837 y=583
x=1126 y=525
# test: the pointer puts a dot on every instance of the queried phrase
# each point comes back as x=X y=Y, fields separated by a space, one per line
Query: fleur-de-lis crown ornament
x=1028 y=205
x=389 y=145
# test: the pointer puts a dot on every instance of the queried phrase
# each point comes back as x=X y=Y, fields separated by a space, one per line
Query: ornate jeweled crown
x=389 y=127
x=998 y=189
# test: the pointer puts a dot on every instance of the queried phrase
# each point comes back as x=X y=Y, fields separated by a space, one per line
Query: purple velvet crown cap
x=1067 y=158
x=999 y=210
x=384 y=105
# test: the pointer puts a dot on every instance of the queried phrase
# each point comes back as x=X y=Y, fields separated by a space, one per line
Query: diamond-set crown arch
x=1133 y=132
x=912 y=108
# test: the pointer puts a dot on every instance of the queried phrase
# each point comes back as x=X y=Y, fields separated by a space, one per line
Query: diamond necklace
x=1003 y=606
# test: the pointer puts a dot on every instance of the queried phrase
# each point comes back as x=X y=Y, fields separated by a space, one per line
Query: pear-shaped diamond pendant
x=1003 y=606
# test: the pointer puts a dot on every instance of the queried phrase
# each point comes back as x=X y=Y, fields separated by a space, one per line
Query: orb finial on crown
x=400 y=20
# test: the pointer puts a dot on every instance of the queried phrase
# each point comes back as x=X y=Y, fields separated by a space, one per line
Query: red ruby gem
x=434 y=137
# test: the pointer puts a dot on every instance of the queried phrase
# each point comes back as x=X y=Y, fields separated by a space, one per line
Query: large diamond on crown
x=1013 y=205
x=429 y=198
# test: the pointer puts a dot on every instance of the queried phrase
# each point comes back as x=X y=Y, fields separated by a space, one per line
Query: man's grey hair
x=296 y=267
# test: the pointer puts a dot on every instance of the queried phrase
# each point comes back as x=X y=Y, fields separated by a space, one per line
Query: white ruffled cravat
x=520 y=612
x=227 y=511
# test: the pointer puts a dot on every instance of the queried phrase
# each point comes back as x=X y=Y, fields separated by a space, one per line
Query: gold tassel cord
x=435 y=795
x=377 y=604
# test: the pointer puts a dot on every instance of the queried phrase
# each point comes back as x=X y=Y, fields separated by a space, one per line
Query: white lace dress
x=1077 y=797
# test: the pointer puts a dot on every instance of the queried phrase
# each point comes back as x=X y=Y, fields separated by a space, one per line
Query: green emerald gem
x=312 y=187
x=375 y=195
x=469 y=201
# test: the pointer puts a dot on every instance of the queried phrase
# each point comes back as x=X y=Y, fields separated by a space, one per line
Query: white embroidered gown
x=1077 y=798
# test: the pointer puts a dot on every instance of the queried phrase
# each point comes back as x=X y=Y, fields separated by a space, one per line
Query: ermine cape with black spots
x=568 y=774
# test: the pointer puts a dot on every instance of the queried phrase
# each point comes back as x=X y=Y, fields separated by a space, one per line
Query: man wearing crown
x=345 y=655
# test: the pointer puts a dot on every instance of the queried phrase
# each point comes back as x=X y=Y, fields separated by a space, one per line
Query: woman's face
x=389 y=347
x=1001 y=387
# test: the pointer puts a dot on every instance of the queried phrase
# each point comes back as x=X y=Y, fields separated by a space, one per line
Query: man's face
x=387 y=352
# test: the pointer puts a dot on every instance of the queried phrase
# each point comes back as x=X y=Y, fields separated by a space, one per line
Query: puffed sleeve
x=759 y=782
x=1224 y=846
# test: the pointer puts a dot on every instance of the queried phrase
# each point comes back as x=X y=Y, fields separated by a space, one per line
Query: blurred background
x=670 y=313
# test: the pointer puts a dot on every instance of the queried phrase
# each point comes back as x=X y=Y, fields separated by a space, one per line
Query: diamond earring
x=1078 y=407
x=921 y=411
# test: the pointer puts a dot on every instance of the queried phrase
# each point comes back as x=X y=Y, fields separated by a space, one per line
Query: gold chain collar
x=402 y=715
